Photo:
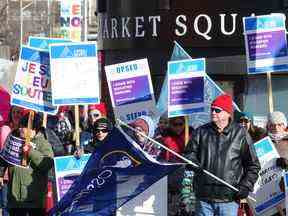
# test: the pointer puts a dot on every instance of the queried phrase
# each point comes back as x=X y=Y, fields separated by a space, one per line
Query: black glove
x=242 y=193
x=282 y=162
x=198 y=170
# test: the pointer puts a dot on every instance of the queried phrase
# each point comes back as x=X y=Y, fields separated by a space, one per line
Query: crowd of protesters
x=224 y=147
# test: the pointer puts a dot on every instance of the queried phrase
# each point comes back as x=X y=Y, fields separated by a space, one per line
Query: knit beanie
x=223 y=102
x=100 y=107
x=102 y=123
x=146 y=123
x=277 y=117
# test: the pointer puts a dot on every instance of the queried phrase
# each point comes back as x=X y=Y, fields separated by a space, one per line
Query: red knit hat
x=100 y=107
x=224 y=102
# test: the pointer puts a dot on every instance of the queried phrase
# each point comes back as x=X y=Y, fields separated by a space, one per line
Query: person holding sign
x=277 y=131
x=27 y=186
x=225 y=149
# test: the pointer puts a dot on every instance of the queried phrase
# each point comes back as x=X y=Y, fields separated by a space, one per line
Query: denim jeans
x=204 y=208
x=3 y=200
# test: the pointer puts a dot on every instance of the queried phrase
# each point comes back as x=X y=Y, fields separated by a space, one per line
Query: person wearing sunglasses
x=101 y=129
x=245 y=119
x=225 y=149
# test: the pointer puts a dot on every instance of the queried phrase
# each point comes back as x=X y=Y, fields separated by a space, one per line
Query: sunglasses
x=244 y=120
x=216 y=110
x=101 y=130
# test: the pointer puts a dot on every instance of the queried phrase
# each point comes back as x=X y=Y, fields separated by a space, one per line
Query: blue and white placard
x=131 y=90
x=32 y=84
x=266 y=190
x=44 y=42
x=67 y=169
x=266 y=44
x=186 y=87
x=74 y=72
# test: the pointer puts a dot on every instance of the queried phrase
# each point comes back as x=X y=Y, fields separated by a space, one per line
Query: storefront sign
x=32 y=84
x=131 y=89
x=266 y=44
x=74 y=72
x=186 y=87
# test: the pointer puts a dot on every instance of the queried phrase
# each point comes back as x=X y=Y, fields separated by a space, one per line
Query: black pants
x=27 y=212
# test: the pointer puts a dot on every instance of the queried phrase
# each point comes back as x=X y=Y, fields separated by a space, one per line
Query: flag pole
x=183 y=158
x=269 y=92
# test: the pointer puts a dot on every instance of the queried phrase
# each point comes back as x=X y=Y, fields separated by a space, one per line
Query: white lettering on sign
x=141 y=26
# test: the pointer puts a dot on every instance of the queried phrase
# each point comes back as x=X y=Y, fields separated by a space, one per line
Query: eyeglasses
x=244 y=120
x=217 y=110
x=101 y=130
x=178 y=124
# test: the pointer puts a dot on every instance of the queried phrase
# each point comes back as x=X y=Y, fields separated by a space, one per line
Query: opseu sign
x=265 y=42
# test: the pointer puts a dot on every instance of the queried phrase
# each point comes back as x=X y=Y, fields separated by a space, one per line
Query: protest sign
x=74 y=72
x=211 y=91
x=266 y=190
x=67 y=169
x=266 y=44
x=12 y=152
x=70 y=20
x=131 y=90
x=44 y=42
x=185 y=87
x=32 y=84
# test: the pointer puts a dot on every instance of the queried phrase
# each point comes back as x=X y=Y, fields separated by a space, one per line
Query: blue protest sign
x=266 y=44
x=185 y=87
x=67 y=169
x=44 y=42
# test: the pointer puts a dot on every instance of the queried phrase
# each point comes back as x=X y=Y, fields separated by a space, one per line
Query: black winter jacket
x=229 y=155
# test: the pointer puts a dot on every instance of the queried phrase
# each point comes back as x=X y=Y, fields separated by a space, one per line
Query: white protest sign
x=186 y=87
x=32 y=84
x=74 y=72
x=266 y=190
x=131 y=90
x=266 y=44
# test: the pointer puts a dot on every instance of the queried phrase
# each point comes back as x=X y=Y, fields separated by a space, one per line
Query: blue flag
x=116 y=172
x=211 y=91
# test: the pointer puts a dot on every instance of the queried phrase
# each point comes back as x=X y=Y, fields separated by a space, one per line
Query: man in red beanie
x=225 y=149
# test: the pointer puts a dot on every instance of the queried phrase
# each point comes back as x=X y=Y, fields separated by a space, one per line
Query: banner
x=12 y=152
x=113 y=175
x=74 y=72
x=32 y=84
x=211 y=91
x=266 y=190
x=67 y=169
x=185 y=87
x=44 y=42
x=70 y=20
x=131 y=90
x=266 y=44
